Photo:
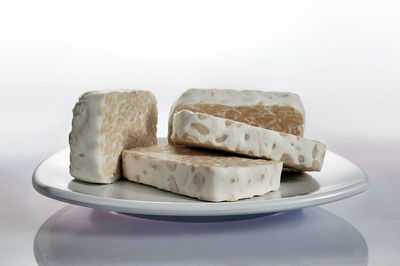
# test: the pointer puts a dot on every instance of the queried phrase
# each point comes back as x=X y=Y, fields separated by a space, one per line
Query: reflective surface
x=375 y=214
x=338 y=179
x=313 y=236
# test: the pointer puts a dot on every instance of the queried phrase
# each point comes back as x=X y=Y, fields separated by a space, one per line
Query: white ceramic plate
x=338 y=179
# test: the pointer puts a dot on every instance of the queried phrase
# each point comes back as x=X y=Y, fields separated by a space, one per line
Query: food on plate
x=224 y=145
x=207 y=131
x=203 y=174
x=105 y=123
x=278 y=111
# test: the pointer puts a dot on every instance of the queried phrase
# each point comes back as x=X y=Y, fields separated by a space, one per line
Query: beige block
x=278 y=111
x=206 y=175
x=105 y=123
x=207 y=131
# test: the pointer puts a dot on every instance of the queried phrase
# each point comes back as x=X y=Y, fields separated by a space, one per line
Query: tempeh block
x=105 y=123
x=278 y=111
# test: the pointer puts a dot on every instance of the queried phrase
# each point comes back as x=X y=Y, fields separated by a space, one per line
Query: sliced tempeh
x=104 y=124
x=201 y=174
x=278 y=111
x=203 y=130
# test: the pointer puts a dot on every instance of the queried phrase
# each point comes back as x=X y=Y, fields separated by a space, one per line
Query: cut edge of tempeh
x=280 y=111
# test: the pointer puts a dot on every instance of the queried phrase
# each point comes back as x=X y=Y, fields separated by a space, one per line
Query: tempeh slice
x=207 y=131
x=202 y=174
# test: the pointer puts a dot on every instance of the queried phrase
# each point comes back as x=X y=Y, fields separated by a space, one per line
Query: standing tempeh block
x=105 y=123
x=203 y=130
x=201 y=174
x=278 y=111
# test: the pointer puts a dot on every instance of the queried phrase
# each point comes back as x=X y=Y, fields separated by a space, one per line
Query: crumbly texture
x=202 y=174
x=105 y=123
x=207 y=131
x=278 y=111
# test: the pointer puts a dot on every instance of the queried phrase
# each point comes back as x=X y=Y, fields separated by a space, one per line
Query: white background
x=342 y=57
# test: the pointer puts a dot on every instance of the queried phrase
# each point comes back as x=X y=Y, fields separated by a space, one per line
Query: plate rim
x=201 y=208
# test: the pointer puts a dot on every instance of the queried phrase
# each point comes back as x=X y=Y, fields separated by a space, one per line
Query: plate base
x=199 y=219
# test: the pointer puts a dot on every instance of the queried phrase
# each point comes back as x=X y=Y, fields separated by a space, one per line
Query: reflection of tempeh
x=201 y=174
x=279 y=111
x=104 y=124
x=203 y=130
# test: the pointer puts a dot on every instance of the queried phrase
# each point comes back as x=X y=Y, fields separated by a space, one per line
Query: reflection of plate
x=339 y=179
x=313 y=236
